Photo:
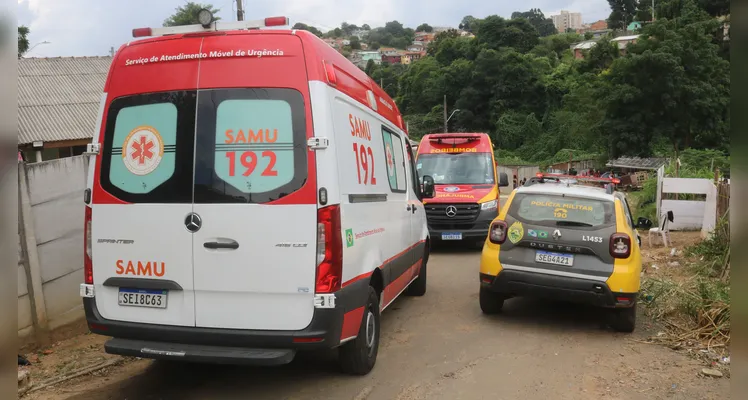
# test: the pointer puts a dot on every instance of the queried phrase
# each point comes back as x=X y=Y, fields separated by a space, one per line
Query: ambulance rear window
x=251 y=145
x=206 y=146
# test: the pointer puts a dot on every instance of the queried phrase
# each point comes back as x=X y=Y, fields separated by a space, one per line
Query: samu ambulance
x=467 y=183
x=251 y=194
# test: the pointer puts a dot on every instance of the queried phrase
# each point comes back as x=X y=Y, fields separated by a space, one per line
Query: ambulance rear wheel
x=418 y=286
x=358 y=356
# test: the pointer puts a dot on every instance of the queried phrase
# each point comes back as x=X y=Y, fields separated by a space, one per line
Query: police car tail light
x=87 y=260
x=497 y=233
x=620 y=245
x=329 y=250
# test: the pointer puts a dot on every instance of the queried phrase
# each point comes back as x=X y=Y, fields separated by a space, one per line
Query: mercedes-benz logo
x=557 y=234
x=193 y=222
x=451 y=211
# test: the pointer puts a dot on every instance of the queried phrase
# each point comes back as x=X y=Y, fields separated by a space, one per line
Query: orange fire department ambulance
x=467 y=183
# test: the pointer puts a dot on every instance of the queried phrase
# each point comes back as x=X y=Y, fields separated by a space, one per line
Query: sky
x=93 y=27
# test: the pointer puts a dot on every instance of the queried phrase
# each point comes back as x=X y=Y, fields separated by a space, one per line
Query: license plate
x=142 y=298
x=547 y=257
x=452 y=236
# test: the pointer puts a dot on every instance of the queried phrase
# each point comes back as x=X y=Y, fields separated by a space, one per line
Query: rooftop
x=651 y=163
x=58 y=98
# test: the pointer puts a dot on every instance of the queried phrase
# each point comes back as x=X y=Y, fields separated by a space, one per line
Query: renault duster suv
x=558 y=238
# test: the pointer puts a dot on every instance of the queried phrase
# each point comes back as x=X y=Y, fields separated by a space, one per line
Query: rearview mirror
x=503 y=179
x=643 y=223
x=428 y=187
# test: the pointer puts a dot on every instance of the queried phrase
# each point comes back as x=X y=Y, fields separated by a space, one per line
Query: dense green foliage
x=668 y=92
x=187 y=14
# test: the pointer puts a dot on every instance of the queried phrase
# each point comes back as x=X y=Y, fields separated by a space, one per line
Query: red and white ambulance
x=467 y=183
x=251 y=194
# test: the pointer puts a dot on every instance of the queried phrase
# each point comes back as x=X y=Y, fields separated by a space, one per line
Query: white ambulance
x=251 y=194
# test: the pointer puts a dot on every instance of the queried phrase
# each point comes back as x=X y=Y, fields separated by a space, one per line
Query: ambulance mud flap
x=199 y=353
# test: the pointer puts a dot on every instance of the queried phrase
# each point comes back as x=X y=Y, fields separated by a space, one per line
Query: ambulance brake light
x=142 y=32
x=276 y=21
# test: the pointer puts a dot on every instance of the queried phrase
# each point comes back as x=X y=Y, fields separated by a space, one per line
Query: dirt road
x=440 y=346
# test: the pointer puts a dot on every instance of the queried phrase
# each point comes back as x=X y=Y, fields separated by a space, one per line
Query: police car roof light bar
x=212 y=27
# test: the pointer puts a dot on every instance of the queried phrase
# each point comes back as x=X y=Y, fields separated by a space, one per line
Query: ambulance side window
x=143 y=158
x=394 y=160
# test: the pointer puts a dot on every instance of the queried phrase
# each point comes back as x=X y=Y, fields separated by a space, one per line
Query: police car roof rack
x=541 y=177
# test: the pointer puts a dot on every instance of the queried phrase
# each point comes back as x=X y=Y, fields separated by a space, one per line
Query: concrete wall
x=691 y=214
x=51 y=242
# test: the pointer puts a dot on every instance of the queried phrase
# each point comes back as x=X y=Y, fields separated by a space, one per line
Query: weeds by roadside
x=694 y=303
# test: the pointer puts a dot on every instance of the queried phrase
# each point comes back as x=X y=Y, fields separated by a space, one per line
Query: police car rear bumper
x=576 y=290
x=226 y=346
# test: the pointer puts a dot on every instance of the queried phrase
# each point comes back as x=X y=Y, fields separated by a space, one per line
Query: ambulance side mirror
x=503 y=179
x=428 y=187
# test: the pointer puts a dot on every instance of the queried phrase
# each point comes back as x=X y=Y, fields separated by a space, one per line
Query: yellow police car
x=557 y=237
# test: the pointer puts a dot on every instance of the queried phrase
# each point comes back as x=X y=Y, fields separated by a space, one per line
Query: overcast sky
x=92 y=27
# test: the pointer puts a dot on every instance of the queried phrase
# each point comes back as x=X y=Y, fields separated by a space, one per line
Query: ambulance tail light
x=329 y=250
x=497 y=232
x=332 y=78
x=87 y=260
x=620 y=245
x=276 y=21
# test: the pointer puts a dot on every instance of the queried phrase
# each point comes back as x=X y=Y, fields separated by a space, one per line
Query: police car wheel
x=358 y=356
x=490 y=302
x=624 y=319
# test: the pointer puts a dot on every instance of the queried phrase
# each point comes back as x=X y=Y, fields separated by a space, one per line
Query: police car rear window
x=554 y=210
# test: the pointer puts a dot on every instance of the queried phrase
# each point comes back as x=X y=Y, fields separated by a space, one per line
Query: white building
x=567 y=20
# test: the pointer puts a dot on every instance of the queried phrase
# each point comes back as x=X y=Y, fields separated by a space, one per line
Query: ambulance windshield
x=457 y=168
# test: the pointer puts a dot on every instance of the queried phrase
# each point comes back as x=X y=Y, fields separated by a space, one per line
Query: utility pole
x=653 y=10
x=445 y=114
x=239 y=11
x=111 y=51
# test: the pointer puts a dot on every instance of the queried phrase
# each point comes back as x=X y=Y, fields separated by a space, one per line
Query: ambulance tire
x=358 y=356
x=418 y=286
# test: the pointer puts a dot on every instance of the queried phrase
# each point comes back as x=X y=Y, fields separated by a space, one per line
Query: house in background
x=58 y=104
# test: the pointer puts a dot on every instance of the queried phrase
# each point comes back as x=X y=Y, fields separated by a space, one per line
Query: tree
x=366 y=27
x=544 y=25
x=673 y=85
x=469 y=23
x=424 y=28
x=23 y=41
x=187 y=14
x=496 y=32
x=305 y=27
x=355 y=43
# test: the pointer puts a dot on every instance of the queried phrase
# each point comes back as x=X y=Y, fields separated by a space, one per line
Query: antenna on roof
x=111 y=51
